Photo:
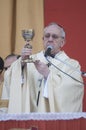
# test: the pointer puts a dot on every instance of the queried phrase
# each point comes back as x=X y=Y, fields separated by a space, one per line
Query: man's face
x=52 y=37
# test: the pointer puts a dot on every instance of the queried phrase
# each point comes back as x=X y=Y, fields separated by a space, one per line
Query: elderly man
x=52 y=82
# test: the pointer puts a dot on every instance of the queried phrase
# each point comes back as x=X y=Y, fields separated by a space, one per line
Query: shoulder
x=73 y=62
x=63 y=57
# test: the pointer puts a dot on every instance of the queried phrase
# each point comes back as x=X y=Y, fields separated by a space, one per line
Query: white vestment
x=59 y=93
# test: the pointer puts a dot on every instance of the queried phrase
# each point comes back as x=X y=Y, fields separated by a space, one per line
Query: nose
x=50 y=38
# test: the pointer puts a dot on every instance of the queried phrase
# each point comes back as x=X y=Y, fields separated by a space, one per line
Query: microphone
x=48 y=51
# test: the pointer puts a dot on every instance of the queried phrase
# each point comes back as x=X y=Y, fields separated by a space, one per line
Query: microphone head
x=49 y=47
x=48 y=51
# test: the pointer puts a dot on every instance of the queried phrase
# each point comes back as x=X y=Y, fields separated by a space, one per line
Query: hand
x=26 y=51
x=42 y=68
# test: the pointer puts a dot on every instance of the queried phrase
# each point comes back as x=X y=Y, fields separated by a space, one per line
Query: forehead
x=52 y=29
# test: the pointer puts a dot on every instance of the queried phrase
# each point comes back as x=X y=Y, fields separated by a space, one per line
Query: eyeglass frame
x=54 y=36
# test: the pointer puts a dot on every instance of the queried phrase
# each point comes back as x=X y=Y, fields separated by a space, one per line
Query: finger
x=37 y=62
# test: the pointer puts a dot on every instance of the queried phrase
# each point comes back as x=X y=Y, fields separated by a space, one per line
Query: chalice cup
x=28 y=36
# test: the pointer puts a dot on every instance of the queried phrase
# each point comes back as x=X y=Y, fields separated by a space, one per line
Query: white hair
x=58 y=26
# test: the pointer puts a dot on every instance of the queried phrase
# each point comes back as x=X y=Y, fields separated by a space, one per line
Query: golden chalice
x=28 y=36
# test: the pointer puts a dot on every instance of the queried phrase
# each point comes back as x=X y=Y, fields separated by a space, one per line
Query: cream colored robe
x=64 y=94
x=3 y=103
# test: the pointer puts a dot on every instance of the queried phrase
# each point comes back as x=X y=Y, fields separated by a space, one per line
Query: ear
x=62 y=43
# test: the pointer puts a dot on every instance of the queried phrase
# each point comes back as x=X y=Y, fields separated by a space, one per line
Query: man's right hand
x=26 y=51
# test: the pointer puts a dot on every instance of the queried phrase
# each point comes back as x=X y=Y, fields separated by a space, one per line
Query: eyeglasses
x=54 y=36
